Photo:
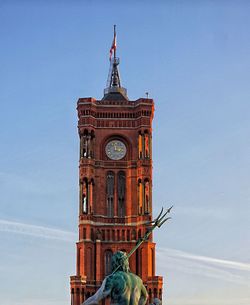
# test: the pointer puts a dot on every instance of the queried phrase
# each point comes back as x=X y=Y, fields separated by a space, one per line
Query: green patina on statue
x=123 y=286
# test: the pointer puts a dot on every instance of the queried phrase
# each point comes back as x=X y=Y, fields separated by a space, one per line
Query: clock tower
x=115 y=187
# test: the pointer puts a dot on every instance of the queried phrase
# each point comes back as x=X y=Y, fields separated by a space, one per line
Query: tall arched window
x=87 y=144
x=140 y=196
x=146 y=145
x=121 y=189
x=139 y=234
x=146 y=196
x=110 y=181
x=153 y=261
x=91 y=144
x=91 y=192
x=140 y=146
x=107 y=262
x=85 y=196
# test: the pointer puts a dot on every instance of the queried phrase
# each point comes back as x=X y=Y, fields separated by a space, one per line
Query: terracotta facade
x=115 y=196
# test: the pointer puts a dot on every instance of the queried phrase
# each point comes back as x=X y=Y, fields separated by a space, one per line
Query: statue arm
x=100 y=294
x=144 y=296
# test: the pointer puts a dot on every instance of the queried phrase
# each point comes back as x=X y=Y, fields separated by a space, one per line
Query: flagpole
x=115 y=41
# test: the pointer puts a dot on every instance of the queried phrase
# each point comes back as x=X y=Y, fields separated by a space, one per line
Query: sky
x=193 y=57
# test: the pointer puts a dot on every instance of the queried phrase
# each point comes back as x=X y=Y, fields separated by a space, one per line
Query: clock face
x=115 y=150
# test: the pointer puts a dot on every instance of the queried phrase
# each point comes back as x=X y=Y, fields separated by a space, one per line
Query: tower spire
x=114 y=88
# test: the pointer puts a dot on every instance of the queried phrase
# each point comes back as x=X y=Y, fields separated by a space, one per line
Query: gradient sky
x=193 y=57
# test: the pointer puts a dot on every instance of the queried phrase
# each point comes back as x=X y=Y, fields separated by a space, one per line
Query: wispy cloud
x=37 y=231
x=206 y=259
x=225 y=270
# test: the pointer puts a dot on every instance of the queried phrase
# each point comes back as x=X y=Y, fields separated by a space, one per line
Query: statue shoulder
x=135 y=277
x=119 y=278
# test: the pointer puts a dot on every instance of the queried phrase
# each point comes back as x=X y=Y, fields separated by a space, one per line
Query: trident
x=158 y=222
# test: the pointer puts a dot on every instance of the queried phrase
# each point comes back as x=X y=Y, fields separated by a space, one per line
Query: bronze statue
x=123 y=286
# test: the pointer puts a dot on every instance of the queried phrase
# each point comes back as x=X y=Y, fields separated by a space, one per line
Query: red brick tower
x=115 y=187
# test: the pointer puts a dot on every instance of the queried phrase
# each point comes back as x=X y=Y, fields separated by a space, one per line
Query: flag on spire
x=113 y=46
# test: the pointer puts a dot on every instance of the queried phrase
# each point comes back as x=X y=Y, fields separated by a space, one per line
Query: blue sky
x=193 y=57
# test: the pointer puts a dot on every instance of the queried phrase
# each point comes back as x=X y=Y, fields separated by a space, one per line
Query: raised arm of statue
x=100 y=294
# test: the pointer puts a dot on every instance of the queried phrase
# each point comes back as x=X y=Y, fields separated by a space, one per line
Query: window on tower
x=110 y=181
x=140 y=146
x=146 y=145
x=91 y=192
x=140 y=196
x=87 y=144
x=85 y=196
x=146 y=196
x=107 y=262
x=121 y=189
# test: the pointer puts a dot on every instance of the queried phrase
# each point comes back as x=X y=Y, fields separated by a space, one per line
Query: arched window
x=87 y=144
x=128 y=235
x=91 y=144
x=123 y=234
x=107 y=262
x=91 y=192
x=139 y=234
x=146 y=145
x=140 y=149
x=85 y=196
x=110 y=180
x=146 y=196
x=140 y=196
x=153 y=261
x=121 y=189
x=133 y=234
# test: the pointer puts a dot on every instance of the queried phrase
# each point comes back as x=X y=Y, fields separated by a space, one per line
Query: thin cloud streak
x=37 y=231
x=225 y=270
x=215 y=261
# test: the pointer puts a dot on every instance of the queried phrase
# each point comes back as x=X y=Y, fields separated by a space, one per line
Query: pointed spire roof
x=114 y=90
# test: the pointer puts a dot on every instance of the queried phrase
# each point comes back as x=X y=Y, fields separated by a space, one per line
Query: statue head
x=120 y=259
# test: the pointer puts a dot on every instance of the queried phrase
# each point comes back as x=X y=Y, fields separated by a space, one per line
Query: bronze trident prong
x=158 y=222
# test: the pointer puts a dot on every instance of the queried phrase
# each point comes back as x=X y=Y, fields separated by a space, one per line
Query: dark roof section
x=115 y=94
